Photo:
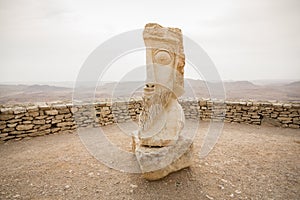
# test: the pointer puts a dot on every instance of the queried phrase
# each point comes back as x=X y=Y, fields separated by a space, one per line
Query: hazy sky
x=48 y=40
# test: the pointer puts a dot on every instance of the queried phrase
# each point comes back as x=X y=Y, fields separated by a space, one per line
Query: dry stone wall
x=43 y=119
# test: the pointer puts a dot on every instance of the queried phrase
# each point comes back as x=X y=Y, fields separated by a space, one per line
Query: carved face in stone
x=164 y=57
x=160 y=68
x=165 y=61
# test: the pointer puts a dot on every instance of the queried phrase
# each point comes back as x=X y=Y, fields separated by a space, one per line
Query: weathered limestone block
x=67 y=115
x=12 y=125
x=49 y=117
x=69 y=120
x=2 y=126
x=14 y=121
x=34 y=114
x=159 y=147
x=18 y=116
x=2 y=135
x=32 y=108
x=58 y=117
x=41 y=117
x=51 y=112
x=46 y=126
x=7 y=130
x=27 y=118
x=293 y=126
x=16 y=132
x=59 y=106
x=8 y=137
x=43 y=106
x=64 y=111
x=6 y=111
x=55 y=121
x=24 y=127
x=5 y=117
x=157 y=163
x=23 y=135
x=40 y=121
x=63 y=124
x=19 y=110
x=73 y=109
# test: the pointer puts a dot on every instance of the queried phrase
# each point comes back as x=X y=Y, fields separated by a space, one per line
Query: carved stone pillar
x=159 y=146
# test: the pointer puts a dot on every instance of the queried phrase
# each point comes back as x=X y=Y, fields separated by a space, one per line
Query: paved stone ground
x=248 y=162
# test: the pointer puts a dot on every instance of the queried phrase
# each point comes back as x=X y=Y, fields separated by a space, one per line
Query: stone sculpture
x=159 y=145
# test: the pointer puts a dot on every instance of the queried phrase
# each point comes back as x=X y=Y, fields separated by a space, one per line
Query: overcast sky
x=48 y=40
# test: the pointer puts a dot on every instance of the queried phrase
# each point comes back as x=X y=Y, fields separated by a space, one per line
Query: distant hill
x=240 y=85
x=293 y=84
x=10 y=94
x=234 y=90
x=44 y=88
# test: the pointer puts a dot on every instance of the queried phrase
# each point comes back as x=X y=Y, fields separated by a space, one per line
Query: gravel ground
x=248 y=162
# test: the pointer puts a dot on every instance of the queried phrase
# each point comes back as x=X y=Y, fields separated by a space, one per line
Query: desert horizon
x=262 y=90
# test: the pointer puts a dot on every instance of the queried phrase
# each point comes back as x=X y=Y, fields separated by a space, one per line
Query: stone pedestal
x=157 y=163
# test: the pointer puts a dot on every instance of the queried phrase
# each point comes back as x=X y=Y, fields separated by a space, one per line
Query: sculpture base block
x=157 y=163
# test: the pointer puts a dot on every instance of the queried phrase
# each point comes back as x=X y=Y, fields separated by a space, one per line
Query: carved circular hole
x=162 y=57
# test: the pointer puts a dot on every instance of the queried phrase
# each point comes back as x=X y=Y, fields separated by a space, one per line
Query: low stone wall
x=42 y=119
x=277 y=114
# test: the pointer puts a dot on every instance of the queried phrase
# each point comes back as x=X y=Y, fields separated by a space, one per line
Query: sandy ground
x=248 y=162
